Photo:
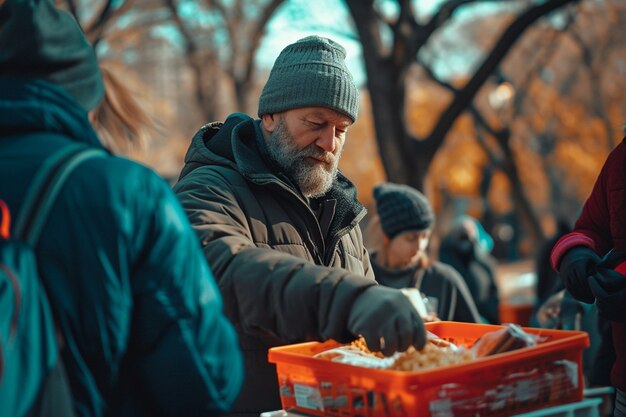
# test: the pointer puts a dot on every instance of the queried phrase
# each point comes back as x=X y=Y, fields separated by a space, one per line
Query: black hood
x=234 y=142
x=37 y=40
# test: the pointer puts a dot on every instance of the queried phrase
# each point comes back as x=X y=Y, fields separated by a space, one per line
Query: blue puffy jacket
x=131 y=292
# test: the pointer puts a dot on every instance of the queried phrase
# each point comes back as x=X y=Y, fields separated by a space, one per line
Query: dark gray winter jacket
x=288 y=268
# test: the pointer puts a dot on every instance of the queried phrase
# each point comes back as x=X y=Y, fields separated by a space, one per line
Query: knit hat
x=402 y=208
x=310 y=72
x=39 y=40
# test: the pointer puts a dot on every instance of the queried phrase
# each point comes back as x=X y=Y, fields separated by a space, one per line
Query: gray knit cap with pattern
x=310 y=72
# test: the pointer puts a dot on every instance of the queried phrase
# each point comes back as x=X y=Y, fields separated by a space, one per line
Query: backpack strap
x=55 y=397
x=45 y=187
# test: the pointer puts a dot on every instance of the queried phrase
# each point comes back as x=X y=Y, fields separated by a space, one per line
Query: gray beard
x=313 y=180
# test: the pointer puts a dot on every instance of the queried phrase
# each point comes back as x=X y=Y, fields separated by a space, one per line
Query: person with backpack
x=135 y=317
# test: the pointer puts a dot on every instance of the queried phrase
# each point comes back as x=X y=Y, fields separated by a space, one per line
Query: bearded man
x=279 y=223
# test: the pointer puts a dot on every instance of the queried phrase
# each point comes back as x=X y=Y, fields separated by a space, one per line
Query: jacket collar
x=239 y=144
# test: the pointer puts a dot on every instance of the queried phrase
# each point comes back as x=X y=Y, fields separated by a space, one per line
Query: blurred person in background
x=590 y=259
x=279 y=223
x=466 y=247
x=406 y=218
x=131 y=293
x=548 y=281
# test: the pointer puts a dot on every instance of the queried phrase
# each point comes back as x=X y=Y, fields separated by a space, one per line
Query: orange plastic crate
x=500 y=385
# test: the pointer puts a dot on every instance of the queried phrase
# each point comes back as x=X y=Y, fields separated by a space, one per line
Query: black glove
x=575 y=268
x=382 y=312
x=609 y=288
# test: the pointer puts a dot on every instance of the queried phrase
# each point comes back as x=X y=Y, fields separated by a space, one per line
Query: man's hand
x=387 y=320
x=575 y=268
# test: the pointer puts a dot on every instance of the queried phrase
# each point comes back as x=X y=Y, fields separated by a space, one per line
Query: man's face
x=307 y=143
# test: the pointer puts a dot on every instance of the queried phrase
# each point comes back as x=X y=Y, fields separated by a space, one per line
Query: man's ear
x=269 y=122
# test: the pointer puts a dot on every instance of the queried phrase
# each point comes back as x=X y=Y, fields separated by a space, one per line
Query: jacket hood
x=51 y=46
x=33 y=105
x=238 y=144
x=39 y=40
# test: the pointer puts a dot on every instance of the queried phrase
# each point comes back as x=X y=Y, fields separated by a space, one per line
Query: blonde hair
x=120 y=120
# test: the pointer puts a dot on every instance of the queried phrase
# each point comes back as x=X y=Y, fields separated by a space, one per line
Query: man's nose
x=326 y=139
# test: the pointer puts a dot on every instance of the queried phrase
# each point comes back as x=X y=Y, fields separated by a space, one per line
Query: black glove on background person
x=609 y=288
x=386 y=312
x=575 y=268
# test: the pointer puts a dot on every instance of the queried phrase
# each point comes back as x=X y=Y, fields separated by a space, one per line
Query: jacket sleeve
x=266 y=292
x=190 y=362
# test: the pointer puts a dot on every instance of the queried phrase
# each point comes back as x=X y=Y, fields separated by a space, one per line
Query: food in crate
x=510 y=337
x=435 y=353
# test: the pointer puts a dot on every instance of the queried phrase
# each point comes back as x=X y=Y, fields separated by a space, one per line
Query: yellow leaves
x=578 y=162
x=457 y=167
x=570 y=116
x=462 y=178
x=499 y=194
x=424 y=106
x=531 y=170
x=595 y=132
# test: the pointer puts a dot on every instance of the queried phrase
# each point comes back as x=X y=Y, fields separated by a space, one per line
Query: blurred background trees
x=504 y=110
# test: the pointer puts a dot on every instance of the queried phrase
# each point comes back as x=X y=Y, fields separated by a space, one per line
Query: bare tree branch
x=196 y=63
x=501 y=48
x=95 y=29
x=257 y=33
x=600 y=52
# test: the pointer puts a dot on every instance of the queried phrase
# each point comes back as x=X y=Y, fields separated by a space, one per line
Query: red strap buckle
x=5 y=220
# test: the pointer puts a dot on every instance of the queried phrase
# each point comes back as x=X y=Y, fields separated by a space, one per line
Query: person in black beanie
x=406 y=218
x=139 y=312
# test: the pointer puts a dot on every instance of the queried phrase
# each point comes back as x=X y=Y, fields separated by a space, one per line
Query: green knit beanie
x=310 y=72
